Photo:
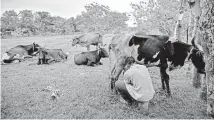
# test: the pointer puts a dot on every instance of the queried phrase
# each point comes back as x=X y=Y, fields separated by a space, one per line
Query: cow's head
x=35 y=47
x=181 y=51
x=169 y=48
x=197 y=56
x=103 y=52
x=75 y=41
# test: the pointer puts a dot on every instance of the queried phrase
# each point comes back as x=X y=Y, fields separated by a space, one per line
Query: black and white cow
x=149 y=48
x=19 y=53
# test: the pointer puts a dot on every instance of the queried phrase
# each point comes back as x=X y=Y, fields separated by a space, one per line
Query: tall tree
x=100 y=18
x=40 y=20
x=9 y=21
x=204 y=33
x=72 y=23
x=27 y=21
x=207 y=31
x=158 y=14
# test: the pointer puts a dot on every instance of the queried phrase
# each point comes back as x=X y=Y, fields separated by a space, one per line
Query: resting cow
x=88 y=39
x=90 y=58
x=19 y=53
x=151 y=48
x=47 y=56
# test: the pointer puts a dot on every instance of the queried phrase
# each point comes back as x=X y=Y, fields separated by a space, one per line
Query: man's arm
x=128 y=79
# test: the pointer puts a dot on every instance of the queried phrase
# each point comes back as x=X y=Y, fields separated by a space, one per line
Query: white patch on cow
x=5 y=56
x=34 y=53
x=154 y=56
x=154 y=63
x=134 y=52
x=158 y=61
x=17 y=56
x=200 y=48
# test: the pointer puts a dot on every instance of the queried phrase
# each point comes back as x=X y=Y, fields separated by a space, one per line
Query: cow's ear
x=193 y=42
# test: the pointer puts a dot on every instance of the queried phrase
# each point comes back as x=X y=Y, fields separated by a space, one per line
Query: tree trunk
x=207 y=30
x=178 y=26
x=206 y=45
x=189 y=26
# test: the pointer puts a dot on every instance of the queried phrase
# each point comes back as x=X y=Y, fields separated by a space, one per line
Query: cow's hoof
x=168 y=95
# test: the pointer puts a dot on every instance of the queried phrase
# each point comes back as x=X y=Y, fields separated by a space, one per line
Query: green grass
x=85 y=90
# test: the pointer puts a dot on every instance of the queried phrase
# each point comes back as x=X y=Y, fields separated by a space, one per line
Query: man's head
x=128 y=62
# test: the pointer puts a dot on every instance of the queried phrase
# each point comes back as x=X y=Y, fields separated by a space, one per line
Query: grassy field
x=84 y=91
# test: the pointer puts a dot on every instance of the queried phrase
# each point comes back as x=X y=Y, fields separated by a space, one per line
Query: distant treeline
x=154 y=16
x=97 y=18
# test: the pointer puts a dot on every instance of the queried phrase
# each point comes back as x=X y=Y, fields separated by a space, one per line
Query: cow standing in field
x=139 y=46
x=88 y=39
x=47 y=56
x=19 y=53
x=90 y=58
x=151 y=48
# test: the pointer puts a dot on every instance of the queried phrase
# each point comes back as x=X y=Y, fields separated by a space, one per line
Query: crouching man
x=137 y=85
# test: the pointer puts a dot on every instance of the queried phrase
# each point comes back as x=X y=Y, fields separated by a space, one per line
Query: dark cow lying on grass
x=90 y=58
x=88 y=39
x=151 y=48
x=19 y=53
x=47 y=56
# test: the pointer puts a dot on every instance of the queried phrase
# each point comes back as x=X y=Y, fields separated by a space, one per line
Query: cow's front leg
x=112 y=85
x=49 y=61
x=90 y=63
x=114 y=78
x=165 y=80
x=164 y=76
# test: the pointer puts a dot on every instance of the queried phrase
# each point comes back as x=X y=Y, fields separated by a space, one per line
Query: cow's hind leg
x=165 y=80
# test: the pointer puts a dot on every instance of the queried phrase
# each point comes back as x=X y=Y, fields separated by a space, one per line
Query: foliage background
x=153 y=16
